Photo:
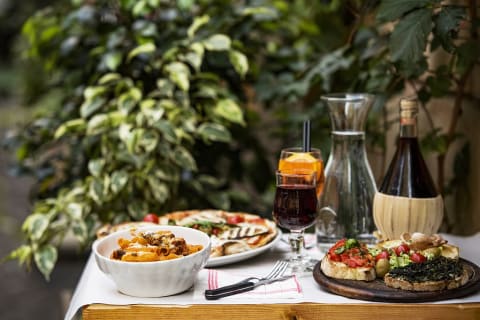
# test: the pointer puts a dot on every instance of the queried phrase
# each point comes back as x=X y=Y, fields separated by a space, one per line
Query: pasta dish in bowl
x=153 y=261
x=151 y=246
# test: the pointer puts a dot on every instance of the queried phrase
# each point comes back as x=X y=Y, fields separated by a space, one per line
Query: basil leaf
x=340 y=250
x=352 y=243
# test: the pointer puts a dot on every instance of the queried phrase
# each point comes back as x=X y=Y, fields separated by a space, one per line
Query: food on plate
x=349 y=259
x=412 y=248
x=415 y=262
x=150 y=246
x=429 y=275
x=230 y=232
x=420 y=262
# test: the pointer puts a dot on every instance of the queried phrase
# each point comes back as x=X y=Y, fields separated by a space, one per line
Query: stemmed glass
x=296 y=160
x=295 y=209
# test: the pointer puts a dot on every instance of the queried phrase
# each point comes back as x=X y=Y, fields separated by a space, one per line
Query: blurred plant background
x=137 y=106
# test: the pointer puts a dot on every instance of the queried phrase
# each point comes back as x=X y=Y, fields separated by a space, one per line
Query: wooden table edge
x=294 y=311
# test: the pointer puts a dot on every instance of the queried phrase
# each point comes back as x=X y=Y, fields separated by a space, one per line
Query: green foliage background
x=166 y=105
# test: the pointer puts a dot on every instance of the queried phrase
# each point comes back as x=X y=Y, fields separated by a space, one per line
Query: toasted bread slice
x=427 y=285
x=340 y=270
x=450 y=251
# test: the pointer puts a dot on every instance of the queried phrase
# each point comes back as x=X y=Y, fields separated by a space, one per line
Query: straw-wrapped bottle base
x=394 y=215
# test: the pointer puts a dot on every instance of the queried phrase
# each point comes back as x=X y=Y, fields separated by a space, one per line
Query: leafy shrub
x=173 y=104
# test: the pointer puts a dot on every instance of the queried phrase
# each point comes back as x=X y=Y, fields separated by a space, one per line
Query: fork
x=276 y=274
x=277 y=271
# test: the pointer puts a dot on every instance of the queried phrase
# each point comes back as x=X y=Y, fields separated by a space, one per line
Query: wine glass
x=295 y=209
x=295 y=160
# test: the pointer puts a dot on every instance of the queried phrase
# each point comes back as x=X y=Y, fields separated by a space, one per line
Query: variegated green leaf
x=179 y=73
x=75 y=211
x=214 y=132
x=239 y=62
x=93 y=92
x=145 y=48
x=137 y=209
x=90 y=106
x=152 y=110
x=112 y=60
x=229 y=110
x=165 y=87
x=96 y=190
x=217 y=42
x=193 y=59
x=45 y=259
x=80 y=230
x=148 y=140
x=119 y=180
x=124 y=131
x=74 y=125
x=167 y=130
x=23 y=254
x=184 y=158
x=128 y=100
x=36 y=225
x=159 y=189
x=260 y=11
x=109 y=78
x=95 y=166
x=197 y=23
x=98 y=124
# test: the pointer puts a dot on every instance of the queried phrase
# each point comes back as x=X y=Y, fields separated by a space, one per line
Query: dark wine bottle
x=408 y=175
x=407 y=200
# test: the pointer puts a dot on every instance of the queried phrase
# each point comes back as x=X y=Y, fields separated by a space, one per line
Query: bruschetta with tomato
x=349 y=259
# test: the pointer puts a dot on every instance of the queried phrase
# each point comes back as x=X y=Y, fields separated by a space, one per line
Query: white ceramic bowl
x=153 y=279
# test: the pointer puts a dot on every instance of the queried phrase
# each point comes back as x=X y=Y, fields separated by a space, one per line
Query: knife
x=239 y=288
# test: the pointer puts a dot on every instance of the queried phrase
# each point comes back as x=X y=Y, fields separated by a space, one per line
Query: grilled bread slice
x=426 y=285
x=349 y=259
x=434 y=275
x=340 y=270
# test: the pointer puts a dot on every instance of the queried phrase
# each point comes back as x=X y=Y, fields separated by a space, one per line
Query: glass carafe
x=345 y=207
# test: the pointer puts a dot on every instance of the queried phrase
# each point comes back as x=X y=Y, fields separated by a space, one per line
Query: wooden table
x=301 y=311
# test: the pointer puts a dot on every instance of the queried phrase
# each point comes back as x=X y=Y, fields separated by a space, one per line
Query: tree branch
x=456 y=113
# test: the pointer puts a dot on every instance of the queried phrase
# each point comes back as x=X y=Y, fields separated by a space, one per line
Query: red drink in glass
x=295 y=206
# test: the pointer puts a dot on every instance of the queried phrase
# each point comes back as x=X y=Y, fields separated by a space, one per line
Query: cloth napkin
x=287 y=289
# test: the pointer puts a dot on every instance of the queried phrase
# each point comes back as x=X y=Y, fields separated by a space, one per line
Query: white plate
x=220 y=261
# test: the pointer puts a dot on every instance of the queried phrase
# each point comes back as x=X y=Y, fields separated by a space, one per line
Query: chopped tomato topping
x=255 y=220
x=151 y=217
x=403 y=248
x=353 y=256
x=235 y=219
x=382 y=255
x=417 y=257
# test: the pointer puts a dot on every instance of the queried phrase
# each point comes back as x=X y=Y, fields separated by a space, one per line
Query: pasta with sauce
x=153 y=246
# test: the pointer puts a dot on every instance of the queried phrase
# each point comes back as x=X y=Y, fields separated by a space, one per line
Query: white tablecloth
x=95 y=287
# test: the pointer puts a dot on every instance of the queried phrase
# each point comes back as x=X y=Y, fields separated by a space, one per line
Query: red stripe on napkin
x=212 y=279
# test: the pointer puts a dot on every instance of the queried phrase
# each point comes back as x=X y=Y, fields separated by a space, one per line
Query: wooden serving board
x=377 y=290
